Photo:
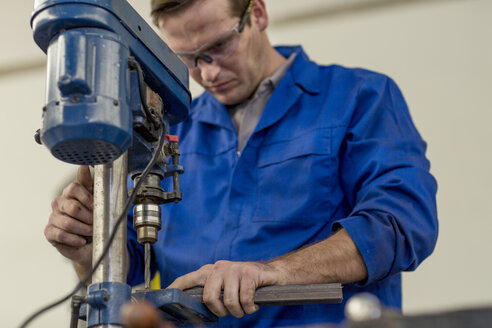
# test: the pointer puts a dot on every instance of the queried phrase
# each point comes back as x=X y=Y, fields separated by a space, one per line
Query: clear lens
x=218 y=49
x=188 y=60
x=221 y=49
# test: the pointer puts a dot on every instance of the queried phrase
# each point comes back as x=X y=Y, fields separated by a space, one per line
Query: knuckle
x=220 y=265
x=54 y=203
x=246 y=271
x=246 y=298
x=46 y=231
x=207 y=267
x=67 y=224
x=70 y=189
x=250 y=272
x=52 y=218
x=85 y=195
x=59 y=236
x=208 y=299
x=229 y=302
x=72 y=208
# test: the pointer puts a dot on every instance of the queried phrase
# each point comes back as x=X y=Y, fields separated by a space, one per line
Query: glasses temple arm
x=245 y=16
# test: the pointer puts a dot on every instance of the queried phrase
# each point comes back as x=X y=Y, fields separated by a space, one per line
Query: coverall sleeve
x=387 y=182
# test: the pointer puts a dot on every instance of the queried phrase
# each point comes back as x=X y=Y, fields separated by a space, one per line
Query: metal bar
x=290 y=294
x=109 y=201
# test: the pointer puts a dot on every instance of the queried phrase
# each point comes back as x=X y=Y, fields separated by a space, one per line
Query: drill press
x=113 y=90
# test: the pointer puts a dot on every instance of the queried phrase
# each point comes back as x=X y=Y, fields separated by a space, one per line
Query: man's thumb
x=84 y=177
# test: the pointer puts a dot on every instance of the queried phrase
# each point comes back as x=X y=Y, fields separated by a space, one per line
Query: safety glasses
x=219 y=48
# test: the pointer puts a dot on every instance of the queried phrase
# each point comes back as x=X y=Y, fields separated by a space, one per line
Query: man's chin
x=227 y=99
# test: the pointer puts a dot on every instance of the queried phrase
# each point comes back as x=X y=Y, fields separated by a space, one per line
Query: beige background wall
x=439 y=52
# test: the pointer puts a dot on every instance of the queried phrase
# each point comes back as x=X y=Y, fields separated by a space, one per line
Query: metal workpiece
x=289 y=294
x=109 y=202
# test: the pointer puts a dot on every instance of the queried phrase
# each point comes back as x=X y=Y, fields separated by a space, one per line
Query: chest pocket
x=296 y=179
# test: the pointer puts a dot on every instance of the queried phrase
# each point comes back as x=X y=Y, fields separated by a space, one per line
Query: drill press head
x=88 y=117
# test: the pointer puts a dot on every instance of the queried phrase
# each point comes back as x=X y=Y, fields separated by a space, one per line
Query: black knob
x=37 y=136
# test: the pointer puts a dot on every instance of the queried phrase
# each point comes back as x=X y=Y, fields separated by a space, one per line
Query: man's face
x=205 y=25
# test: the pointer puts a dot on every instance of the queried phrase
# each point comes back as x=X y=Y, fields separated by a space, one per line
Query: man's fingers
x=192 y=279
x=238 y=280
x=79 y=193
x=84 y=177
x=231 y=294
x=247 y=294
x=70 y=225
x=74 y=209
x=213 y=288
x=184 y=282
x=58 y=236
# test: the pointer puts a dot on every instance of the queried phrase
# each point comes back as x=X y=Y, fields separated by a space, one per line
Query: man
x=295 y=174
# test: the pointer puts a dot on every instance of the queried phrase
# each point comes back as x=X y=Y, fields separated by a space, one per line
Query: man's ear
x=259 y=14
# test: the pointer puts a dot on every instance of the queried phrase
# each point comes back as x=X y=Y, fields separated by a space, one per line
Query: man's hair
x=160 y=7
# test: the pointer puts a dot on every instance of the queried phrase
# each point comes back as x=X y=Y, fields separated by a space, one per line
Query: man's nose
x=208 y=71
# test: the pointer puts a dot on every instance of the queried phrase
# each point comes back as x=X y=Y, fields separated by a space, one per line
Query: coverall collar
x=303 y=73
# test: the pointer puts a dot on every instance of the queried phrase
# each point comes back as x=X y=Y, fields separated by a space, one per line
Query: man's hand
x=71 y=221
x=238 y=280
x=335 y=259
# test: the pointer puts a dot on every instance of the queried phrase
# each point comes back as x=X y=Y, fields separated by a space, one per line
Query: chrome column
x=110 y=194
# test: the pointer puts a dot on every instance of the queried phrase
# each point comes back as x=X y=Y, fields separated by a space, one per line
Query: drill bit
x=147 y=266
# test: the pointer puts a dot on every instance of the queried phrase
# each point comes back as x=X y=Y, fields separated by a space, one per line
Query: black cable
x=122 y=217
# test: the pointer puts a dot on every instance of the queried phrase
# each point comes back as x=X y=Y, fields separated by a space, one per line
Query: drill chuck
x=147 y=222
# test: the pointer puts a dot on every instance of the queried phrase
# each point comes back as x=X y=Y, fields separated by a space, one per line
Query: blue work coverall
x=335 y=147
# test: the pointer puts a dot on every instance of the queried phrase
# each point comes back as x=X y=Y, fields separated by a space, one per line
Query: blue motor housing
x=87 y=119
